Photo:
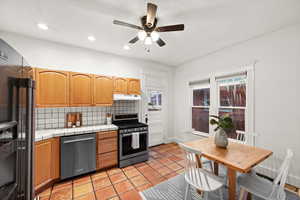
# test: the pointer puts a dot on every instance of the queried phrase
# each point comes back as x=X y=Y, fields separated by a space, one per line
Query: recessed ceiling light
x=126 y=47
x=91 y=38
x=43 y=26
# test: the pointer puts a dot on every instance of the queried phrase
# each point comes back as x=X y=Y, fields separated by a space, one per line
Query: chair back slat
x=191 y=165
x=195 y=175
x=245 y=137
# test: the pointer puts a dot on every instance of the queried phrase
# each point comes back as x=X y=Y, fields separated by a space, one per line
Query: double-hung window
x=200 y=107
x=225 y=94
x=232 y=101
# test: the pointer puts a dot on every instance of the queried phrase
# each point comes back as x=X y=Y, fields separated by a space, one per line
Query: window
x=232 y=101
x=155 y=99
x=225 y=94
x=200 y=108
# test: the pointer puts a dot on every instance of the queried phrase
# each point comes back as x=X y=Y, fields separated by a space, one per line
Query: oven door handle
x=130 y=134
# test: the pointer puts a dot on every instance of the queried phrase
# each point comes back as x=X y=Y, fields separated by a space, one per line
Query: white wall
x=277 y=89
x=46 y=54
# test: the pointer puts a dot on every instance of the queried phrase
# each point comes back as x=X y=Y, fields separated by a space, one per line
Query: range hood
x=128 y=97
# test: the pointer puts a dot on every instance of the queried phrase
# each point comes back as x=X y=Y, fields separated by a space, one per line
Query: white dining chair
x=242 y=138
x=197 y=177
x=207 y=162
x=264 y=188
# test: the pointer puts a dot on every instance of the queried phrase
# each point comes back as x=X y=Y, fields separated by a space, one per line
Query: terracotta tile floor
x=165 y=162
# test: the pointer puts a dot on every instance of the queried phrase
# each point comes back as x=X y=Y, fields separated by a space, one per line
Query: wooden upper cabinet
x=120 y=85
x=52 y=88
x=81 y=89
x=103 y=90
x=134 y=86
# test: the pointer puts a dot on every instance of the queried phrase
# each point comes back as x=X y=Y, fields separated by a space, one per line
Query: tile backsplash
x=47 y=118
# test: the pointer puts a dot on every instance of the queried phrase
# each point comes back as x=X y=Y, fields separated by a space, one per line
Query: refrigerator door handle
x=30 y=86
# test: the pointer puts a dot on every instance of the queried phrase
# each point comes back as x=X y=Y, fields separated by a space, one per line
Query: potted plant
x=224 y=126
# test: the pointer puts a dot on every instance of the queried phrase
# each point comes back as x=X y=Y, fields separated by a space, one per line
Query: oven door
x=126 y=150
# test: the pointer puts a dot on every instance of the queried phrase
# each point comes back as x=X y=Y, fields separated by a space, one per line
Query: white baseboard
x=170 y=140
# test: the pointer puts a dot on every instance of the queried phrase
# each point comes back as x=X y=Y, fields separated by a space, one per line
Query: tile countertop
x=49 y=133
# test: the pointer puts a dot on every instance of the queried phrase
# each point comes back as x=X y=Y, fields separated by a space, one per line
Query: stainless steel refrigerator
x=16 y=125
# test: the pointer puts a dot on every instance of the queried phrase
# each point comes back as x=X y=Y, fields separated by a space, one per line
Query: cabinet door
x=107 y=145
x=52 y=88
x=134 y=86
x=107 y=159
x=120 y=85
x=103 y=90
x=81 y=89
x=55 y=158
x=43 y=152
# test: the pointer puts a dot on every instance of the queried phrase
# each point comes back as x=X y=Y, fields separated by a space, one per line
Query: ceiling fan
x=148 y=31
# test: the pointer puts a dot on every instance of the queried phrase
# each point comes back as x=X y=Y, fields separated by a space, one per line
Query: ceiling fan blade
x=117 y=22
x=134 y=40
x=160 y=42
x=151 y=14
x=177 y=27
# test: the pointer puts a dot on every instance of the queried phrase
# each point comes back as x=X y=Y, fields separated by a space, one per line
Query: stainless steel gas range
x=133 y=139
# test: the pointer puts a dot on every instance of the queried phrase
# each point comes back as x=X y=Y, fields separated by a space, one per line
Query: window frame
x=218 y=85
x=215 y=101
x=155 y=107
x=200 y=85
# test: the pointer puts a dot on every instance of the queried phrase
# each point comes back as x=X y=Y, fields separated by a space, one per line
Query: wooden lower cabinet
x=56 y=158
x=106 y=160
x=107 y=134
x=42 y=165
x=46 y=165
x=47 y=158
x=107 y=149
x=107 y=145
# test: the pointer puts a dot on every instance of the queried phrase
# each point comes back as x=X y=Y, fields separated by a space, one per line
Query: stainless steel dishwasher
x=78 y=155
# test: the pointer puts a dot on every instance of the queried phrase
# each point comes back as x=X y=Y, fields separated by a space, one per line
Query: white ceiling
x=210 y=24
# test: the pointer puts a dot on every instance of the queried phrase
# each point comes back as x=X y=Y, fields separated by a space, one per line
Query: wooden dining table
x=236 y=157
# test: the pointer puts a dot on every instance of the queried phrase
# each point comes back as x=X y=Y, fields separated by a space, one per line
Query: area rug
x=174 y=189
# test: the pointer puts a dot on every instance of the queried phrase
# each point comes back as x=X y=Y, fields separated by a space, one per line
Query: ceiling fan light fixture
x=142 y=35
x=155 y=36
x=148 y=40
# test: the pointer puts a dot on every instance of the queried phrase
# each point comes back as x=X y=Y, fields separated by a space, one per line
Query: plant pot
x=221 y=139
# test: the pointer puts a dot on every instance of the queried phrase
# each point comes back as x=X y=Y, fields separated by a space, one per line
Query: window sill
x=200 y=133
